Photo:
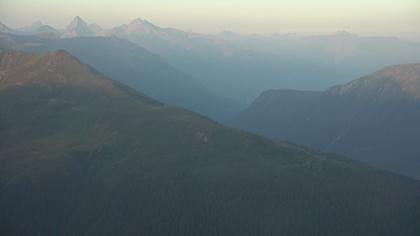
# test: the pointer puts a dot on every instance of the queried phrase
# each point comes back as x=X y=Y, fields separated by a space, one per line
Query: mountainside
x=134 y=66
x=391 y=83
x=82 y=154
x=373 y=119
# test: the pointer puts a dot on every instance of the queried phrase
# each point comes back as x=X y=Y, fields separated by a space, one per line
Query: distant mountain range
x=373 y=119
x=83 y=154
x=132 y=65
x=36 y=28
x=240 y=67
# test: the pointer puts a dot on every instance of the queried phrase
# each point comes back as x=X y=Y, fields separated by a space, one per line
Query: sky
x=399 y=18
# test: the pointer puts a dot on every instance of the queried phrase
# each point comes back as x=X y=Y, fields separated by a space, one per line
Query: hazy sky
x=368 y=17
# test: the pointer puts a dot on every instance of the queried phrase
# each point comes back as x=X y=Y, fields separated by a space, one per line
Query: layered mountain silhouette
x=372 y=119
x=134 y=66
x=82 y=154
x=241 y=67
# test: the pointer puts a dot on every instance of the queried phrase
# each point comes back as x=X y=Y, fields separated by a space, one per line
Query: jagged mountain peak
x=77 y=22
x=78 y=28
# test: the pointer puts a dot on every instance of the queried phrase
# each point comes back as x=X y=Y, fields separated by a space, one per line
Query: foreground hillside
x=373 y=119
x=81 y=154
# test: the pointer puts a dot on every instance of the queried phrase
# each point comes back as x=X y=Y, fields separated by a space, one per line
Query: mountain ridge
x=134 y=66
x=60 y=64
x=404 y=79
x=77 y=28
x=372 y=119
